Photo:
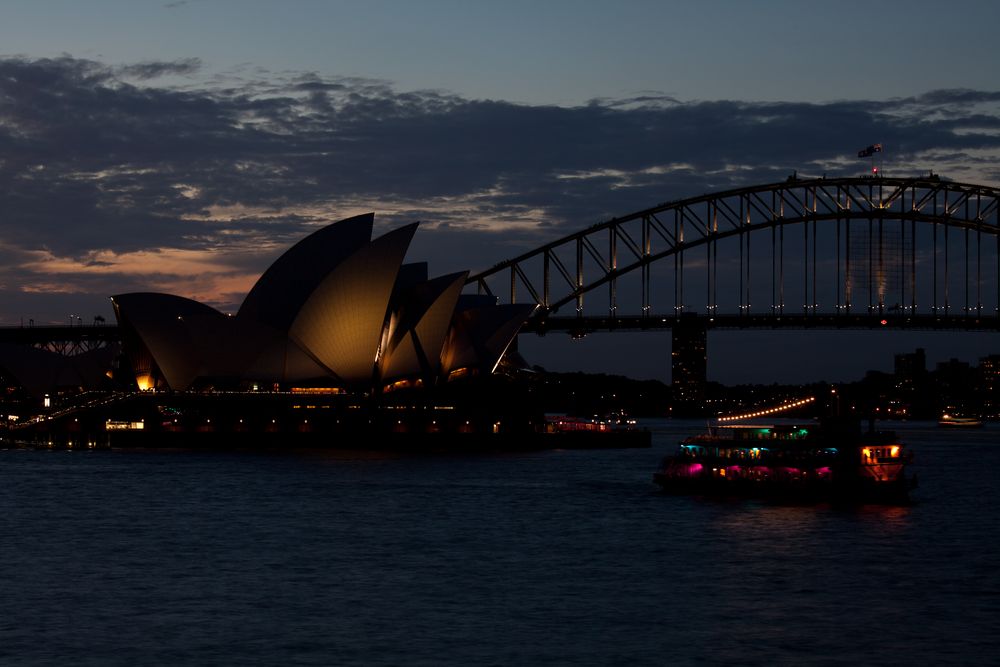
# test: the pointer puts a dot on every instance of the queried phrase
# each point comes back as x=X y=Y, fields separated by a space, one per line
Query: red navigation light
x=874 y=170
x=884 y=322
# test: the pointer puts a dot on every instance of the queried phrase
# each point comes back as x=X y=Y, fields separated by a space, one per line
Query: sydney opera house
x=338 y=344
x=338 y=312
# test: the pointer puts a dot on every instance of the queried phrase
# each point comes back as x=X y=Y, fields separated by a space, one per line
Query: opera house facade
x=338 y=311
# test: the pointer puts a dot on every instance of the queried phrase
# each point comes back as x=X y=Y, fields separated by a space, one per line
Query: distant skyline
x=181 y=146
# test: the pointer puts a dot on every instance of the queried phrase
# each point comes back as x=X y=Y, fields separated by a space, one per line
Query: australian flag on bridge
x=871 y=150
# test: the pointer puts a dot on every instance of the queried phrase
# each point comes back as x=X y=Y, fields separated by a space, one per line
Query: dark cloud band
x=95 y=157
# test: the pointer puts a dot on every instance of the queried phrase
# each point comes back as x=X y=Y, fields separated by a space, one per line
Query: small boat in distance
x=952 y=420
x=801 y=461
x=618 y=431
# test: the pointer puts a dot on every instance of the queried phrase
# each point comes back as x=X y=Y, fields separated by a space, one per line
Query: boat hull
x=857 y=490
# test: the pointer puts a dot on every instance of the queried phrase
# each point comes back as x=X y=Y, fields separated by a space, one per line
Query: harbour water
x=127 y=557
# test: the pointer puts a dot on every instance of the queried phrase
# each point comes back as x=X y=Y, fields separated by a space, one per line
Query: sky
x=181 y=146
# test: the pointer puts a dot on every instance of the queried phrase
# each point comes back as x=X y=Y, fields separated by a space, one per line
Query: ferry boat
x=952 y=420
x=616 y=431
x=829 y=460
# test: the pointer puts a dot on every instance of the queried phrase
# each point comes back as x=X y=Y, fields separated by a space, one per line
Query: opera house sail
x=338 y=310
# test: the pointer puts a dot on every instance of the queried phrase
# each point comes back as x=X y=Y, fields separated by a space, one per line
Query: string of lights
x=769 y=411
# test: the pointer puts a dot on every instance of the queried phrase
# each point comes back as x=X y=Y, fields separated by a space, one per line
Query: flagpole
x=869 y=152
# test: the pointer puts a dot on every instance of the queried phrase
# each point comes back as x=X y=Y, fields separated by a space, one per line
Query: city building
x=910 y=368
x=989 y=378
x=689 y=366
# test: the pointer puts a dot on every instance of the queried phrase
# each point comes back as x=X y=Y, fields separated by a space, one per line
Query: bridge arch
x=920 y=232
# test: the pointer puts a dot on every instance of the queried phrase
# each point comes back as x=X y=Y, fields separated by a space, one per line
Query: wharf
x=284 y=421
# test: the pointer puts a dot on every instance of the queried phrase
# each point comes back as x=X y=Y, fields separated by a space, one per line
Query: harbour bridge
x=863 y=252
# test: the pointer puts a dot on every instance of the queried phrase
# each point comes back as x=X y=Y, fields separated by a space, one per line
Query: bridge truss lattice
x=920 y=248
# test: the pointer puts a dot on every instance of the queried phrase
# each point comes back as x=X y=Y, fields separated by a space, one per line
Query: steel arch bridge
x=877 y=245
x=61 y=339
x=858 y=252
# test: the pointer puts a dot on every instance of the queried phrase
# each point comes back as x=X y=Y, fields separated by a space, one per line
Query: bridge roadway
x=96 y=335
x=46 y=335
x=585 y=325
x=61 y=338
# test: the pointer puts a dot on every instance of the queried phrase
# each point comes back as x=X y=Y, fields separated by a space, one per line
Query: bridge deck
x=652 y=322
x=109 y=333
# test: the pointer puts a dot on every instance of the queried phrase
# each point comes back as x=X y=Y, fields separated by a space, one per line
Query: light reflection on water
x=552 y=557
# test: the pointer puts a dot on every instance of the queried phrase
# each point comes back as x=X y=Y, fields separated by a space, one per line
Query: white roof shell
x=335 y=306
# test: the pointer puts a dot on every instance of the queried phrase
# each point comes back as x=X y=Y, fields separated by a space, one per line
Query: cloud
x=155 y=70
x=100 y=166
